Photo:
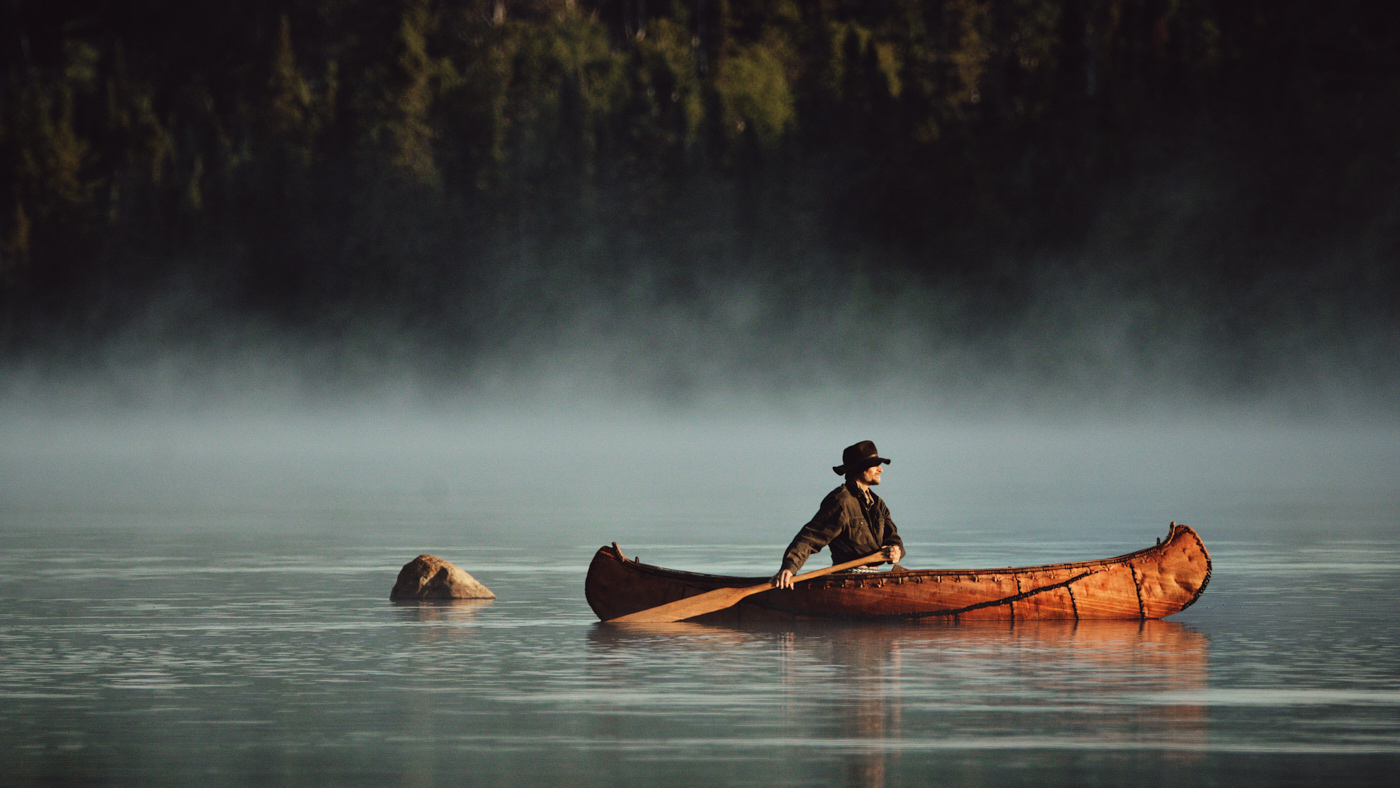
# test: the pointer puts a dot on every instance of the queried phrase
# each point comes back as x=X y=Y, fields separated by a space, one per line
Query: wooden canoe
x=1148 y=584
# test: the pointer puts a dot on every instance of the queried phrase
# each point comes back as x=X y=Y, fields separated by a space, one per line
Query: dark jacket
x=845 y=523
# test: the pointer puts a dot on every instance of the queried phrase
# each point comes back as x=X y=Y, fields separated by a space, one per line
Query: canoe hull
x=1148 y=584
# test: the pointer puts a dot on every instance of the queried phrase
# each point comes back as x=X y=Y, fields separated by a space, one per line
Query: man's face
x=871 y=476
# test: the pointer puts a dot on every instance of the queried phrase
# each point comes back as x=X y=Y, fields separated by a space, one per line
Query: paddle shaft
x=722 y=598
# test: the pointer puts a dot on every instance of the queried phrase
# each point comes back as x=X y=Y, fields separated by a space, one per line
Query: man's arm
x=894 y=545
x=811 y=539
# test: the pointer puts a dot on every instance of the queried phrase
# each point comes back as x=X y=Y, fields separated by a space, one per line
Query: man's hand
x=782 y=579
x=894 y=552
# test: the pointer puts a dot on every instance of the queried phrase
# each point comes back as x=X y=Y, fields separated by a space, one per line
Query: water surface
x=180 y=611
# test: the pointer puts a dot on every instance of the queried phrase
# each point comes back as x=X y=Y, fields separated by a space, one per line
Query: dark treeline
x=450 y=165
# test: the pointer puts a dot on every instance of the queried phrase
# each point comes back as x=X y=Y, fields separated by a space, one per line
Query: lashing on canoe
x=1148 y=584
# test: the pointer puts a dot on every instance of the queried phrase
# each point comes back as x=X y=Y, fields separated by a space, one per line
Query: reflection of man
x=852 y=520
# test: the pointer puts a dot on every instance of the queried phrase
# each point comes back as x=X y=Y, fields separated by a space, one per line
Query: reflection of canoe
x=1151 y=583
x=893 y=696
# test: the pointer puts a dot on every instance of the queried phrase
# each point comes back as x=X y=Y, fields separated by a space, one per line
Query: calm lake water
x=207 y=603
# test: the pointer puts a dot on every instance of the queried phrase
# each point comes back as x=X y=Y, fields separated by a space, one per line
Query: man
x=852 y=520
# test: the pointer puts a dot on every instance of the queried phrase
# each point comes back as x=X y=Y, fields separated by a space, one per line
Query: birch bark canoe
x=1148 y=584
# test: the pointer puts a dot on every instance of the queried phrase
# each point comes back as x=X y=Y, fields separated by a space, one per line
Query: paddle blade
x=690 y=607
x=722 y=598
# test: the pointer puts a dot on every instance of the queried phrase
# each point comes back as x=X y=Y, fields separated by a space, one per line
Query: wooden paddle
x=722 y=598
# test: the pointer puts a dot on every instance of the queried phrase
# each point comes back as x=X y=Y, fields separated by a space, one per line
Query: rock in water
x=430 y=577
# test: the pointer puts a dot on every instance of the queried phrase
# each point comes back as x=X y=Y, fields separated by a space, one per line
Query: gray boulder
x=430 y=577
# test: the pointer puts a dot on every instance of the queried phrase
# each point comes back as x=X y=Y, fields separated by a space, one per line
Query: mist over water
x=738 y=475
x=1069 y=339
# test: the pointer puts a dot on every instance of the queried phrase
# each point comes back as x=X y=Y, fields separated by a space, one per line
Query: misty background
x=1029 y=205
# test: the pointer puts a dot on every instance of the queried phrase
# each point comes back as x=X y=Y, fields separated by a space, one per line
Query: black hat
x=859 y=457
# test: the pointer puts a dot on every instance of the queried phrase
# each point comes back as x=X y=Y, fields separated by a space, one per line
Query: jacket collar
x=868 y=496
